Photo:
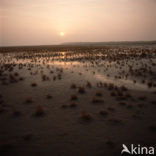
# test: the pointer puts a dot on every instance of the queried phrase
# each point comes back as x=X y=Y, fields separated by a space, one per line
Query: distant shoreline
x=89 y=44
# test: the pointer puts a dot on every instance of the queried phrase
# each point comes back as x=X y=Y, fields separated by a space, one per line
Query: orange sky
x=38 y=22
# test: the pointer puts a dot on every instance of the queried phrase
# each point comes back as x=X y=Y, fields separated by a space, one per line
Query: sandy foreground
x=77 y=102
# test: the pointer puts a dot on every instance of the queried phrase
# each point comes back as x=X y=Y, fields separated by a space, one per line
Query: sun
x=62 y=33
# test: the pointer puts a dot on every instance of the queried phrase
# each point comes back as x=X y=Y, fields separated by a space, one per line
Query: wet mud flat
x=77 y=101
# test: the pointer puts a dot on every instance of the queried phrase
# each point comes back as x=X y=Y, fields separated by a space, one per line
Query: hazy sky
x=36 y=22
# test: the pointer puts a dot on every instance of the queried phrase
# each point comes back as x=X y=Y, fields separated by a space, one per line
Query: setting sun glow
x=61 y=33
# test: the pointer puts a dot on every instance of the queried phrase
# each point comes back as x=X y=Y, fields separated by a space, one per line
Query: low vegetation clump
x=73 y=97
x=103 y=112
x=86 y=116
x=39 y=111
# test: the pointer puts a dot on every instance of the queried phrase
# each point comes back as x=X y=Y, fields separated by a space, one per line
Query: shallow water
x=89 y=65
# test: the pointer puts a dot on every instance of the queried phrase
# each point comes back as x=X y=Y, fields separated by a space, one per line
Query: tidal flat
x=76 y=101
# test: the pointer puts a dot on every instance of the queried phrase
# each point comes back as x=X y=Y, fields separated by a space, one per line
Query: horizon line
x=79 y=42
